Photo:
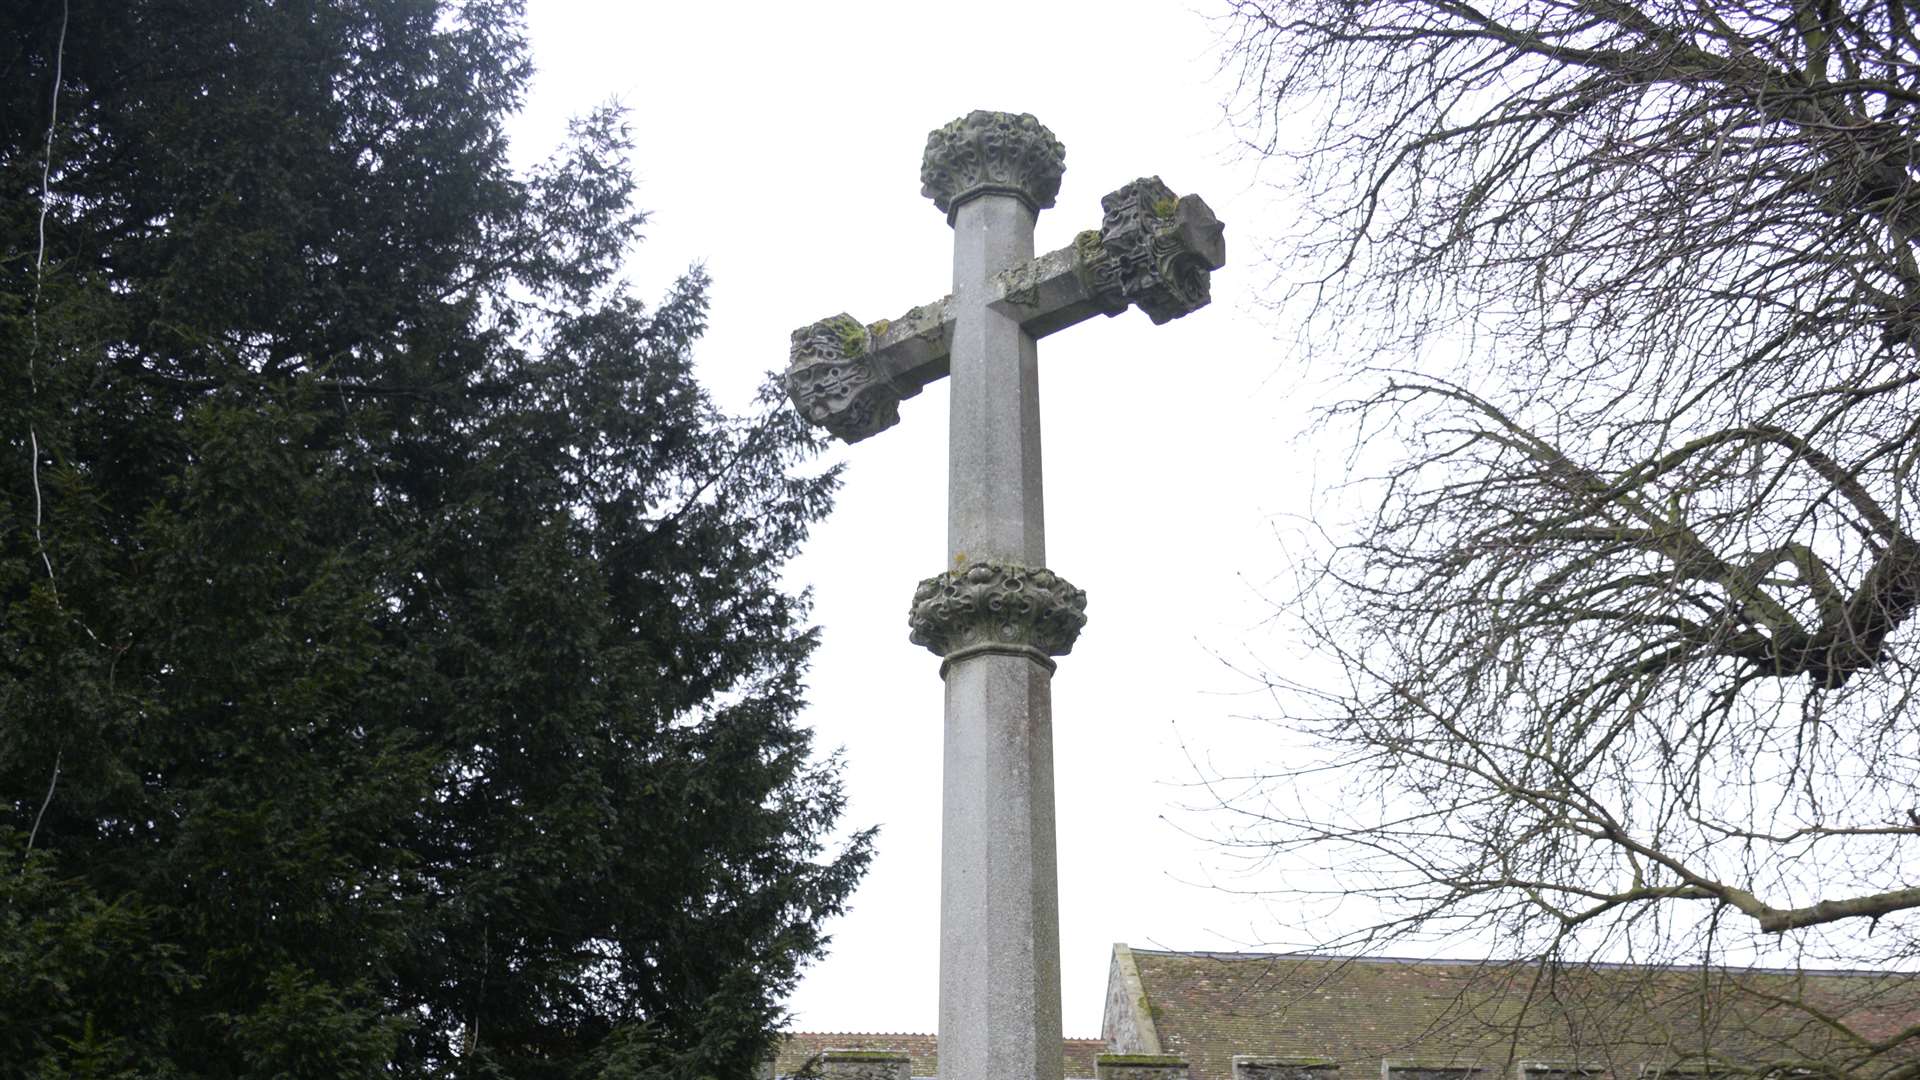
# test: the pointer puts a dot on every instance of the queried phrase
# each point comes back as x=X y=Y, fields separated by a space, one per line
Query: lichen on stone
x=853 y=336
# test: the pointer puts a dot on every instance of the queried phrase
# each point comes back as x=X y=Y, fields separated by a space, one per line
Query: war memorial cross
x=996 y=616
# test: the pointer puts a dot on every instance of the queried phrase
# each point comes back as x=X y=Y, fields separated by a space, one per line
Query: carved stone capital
x=997 y=605
x=834 y=382
x=992 y=153
x=1153 y=250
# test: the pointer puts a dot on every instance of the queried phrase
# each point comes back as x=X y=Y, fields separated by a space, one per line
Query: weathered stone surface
x=913 y=350
x=998 y=617
x=1126 y=1022
x=864 y=1065
x=1249 y=1067
x=1397 y=1070
x=833 y=381
x=992 y=152
x=994 y=505
x=999 y=901
x=1562 y=1070
x=997 y=604
x=1139 y=1067
x=999 y=912
x=1153 y=250
x=1159 y=259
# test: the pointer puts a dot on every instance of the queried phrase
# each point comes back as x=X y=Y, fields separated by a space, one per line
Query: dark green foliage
x=396 y=623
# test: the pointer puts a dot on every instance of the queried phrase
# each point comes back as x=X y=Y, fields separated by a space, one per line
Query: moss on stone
x=853 y=336
x=1086 y=245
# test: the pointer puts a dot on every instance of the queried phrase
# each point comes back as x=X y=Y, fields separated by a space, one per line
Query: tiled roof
x=801 y=1046
x=1209 y=1007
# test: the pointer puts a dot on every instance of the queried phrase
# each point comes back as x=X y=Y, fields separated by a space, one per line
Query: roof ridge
x=866 y=1034
x=1446 y=961
x=912 y=1035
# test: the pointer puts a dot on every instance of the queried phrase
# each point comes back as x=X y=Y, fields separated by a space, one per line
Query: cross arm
x=1152 y=250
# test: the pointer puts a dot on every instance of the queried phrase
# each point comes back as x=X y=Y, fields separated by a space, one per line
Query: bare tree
x=1625 y=642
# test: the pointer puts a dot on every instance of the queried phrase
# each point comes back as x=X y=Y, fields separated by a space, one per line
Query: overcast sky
x=780 y=145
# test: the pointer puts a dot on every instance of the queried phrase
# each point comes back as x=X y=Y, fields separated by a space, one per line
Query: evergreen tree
x=395 y=678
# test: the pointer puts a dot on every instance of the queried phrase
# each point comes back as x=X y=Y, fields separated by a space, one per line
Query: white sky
x=780 y=144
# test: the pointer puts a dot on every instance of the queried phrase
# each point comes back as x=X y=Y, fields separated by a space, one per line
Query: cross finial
x=992 y=153
x=1154 y=250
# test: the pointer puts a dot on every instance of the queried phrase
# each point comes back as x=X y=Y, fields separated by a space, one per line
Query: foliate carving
x=1153 y=250
x=834 y=383
x=997 y=604
x=992 y=153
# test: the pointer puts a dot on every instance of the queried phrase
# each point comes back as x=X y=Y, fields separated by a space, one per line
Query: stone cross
x=996 y=616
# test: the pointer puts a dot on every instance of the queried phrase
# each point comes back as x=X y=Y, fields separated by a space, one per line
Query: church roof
x=1369 y=1015
x=802 y=1046
x=1398 y=1019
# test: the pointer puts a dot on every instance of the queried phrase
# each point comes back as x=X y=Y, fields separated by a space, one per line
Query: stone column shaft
x=999 y=901
x=994 y=508
x=999 y=906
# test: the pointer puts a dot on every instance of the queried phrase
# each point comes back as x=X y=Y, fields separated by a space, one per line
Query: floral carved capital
x=992 y=153
x=1153 y=250
x=997 y=604
x=834 y=383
